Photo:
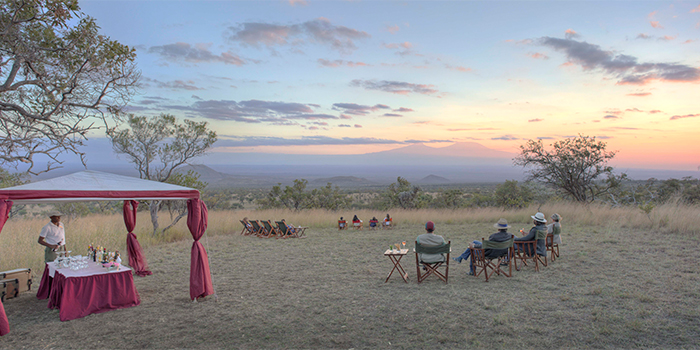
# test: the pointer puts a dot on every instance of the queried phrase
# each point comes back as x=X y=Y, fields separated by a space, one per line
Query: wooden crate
x=23 y=275
x=9 y=288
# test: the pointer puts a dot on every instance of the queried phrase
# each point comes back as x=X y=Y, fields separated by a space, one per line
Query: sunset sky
x=349 y=77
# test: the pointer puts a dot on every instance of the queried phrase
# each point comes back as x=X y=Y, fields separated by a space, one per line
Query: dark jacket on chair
x=500 y=236
x=532 y=235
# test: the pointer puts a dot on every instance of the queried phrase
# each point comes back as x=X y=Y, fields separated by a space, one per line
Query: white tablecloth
x=92 y=269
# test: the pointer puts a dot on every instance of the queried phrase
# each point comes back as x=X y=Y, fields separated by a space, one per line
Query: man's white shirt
x=54 y=234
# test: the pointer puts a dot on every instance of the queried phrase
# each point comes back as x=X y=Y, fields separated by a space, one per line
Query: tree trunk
x=153 y=207
x=179 y=216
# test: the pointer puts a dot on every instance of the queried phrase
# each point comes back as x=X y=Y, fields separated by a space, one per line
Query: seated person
x=356 y=221
x=341 y=223
x=539 y=222
x=373 y=223
x=430 y=239
x=555 y=228
x=501 y=236
x=387 y=220
x=290 y=228
x=247 y=223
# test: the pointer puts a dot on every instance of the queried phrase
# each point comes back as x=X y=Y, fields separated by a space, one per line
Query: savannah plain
x=624 y=280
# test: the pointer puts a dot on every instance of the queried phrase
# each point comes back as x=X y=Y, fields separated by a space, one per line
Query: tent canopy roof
x=91 y=185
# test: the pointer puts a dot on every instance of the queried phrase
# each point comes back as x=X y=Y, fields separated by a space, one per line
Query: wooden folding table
x=395 y=257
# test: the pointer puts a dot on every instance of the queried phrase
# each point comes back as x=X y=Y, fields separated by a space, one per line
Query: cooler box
x=9 y=288
x=23 y=275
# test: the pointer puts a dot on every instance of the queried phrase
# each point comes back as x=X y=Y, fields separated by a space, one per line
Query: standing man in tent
x=53 y=237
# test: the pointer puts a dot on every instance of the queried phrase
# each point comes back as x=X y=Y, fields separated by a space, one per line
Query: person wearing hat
x=555 y=228
x=539 y=222
x=430 y=239
x=501 y=236
x=53 y=237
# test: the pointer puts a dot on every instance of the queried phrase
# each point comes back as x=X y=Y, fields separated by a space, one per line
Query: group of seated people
x=259 y=228
x=357 y=223
x=539 y=224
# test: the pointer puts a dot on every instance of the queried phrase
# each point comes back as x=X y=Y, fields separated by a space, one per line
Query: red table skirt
x=77 y=297
x=4 y=324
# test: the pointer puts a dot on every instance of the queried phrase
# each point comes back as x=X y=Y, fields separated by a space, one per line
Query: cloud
x=695 y=10
x=344 y=125
x=535 y=120
x=655 y=111
x=392 y=29
x=174 y=85
x=320 y=31
x=571 y=34
x=689 y=41
x=405 y=48
x=298 y=2
x=358 y=125
x=624 y=67
x=538 y=55
x=506 y=138
x=199 y=53
x=356 y=109
x=639 y=94
x=255 y=111
x=656 y=24
x=676 y=117
x=609 y=116
x=403 y=110
x=254 y=141
x=634 y=110
x=395 y=87
x=603 y=137
x=458 y=68
x=668 y=38
x=644 y=36
x=338 y=63
x=392 y=115
x=545 y=138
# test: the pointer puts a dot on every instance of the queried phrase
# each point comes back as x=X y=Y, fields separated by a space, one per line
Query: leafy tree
x=8 y=179
x=292 y=197
x=328 y=198
x=452 y=199
x=401 y=194
x=575 y=166
x=511 y=195
x=60 y=79
x=158 y=146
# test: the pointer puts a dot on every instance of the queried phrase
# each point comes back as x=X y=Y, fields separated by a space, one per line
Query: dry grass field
x=621 y=282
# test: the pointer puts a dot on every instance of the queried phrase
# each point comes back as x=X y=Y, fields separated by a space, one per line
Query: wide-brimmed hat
x=556 y=216
x=502 y=224
x=539 y=217
x=55 y=213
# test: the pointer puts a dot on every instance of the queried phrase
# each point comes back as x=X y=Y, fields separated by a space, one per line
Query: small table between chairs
x=87 y=291
x=395 y=257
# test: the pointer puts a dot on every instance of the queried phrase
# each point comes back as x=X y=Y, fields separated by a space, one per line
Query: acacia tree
x=158 y=146
x=401 y=194
x=60 y=79
x=574 y=165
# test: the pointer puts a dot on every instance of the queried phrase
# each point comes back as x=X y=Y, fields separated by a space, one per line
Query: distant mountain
x=459 y=150
x=342 y=181
x=433 y=180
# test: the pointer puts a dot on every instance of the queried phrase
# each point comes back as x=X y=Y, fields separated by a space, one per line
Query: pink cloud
x=570 y=34
x=689 y=41
x=675 y=117
x=654 y=111
x=535 y=120
x=358 y=125
x=393 y=29
x=697 y=9
x=639 y=94
x=538 y=55
x=300 y=2
x=656 y=24
x=668 y=38
x=345 y=116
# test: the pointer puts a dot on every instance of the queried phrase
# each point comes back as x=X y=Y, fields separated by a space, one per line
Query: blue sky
x=347 y=77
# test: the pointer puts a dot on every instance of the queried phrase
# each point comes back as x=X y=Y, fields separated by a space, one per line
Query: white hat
x=55 y=213
x=502 y=224
x=539 y=217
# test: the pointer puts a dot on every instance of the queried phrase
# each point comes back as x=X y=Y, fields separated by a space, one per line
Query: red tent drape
x=137 y=260
x=200 y=277
x=5 y=207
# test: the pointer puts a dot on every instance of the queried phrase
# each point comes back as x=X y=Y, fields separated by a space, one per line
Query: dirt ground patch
x=611 y=288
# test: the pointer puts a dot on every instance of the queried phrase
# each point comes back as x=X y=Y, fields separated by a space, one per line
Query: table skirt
x=77 y=297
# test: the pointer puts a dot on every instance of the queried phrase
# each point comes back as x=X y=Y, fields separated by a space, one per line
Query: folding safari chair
x=542 y=235
x=388 y=225
x=246 y=230
x=270 y=230
x=342 y=225
x=551 y=245
x=431 y=268
x=357 y=225
x=482 y=264
x=524 y=251
x=256 y=226
x=376 y=225
x=282 y=227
